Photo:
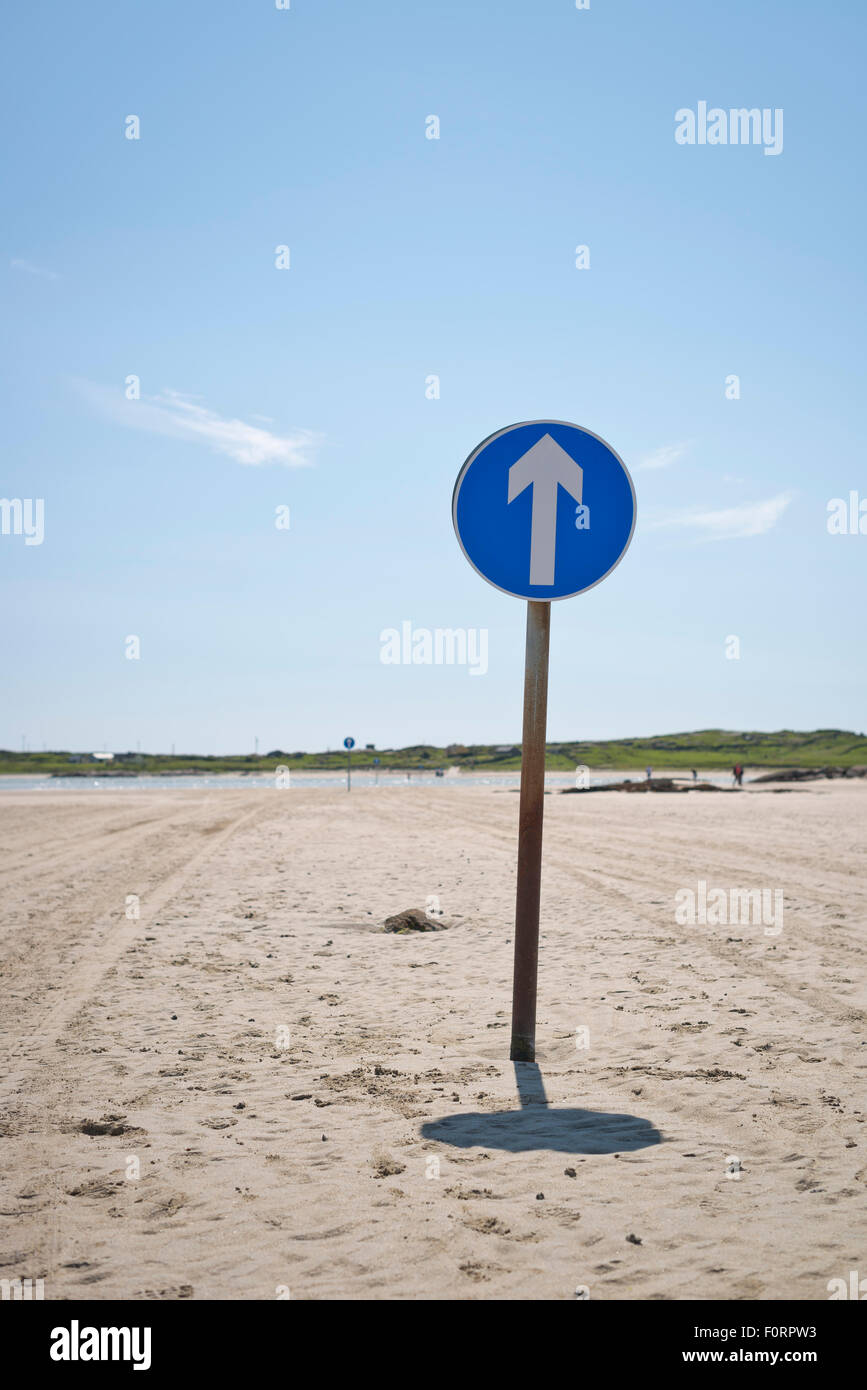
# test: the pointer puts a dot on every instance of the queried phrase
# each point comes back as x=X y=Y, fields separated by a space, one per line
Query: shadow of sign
x=536 y=1125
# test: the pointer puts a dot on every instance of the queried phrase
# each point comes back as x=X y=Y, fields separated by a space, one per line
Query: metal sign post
x=349 y=744
x=530 y=834
x=543 y=510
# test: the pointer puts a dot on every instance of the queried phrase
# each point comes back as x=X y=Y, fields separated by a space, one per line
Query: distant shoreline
x=557 y=779
x=706 y=750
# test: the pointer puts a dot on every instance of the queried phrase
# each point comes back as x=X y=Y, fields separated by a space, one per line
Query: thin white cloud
x=663 y=457
x=728 y=523
x=30 y=269
x=176 y=415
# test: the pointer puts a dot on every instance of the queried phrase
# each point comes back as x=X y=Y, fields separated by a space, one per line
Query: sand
x=247 y=1092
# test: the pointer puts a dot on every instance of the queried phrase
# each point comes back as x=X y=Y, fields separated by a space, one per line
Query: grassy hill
x=705 y=749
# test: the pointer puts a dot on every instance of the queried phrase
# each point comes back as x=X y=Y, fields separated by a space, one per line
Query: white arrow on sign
x=546 y=466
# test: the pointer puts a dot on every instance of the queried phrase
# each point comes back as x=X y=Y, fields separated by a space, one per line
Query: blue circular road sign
x=349 y=743
x=544 y=509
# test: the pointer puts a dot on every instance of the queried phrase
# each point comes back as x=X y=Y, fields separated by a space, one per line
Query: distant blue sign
x=349 y=743
x=544 y=509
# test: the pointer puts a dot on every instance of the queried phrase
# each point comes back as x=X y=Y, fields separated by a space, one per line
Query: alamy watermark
x=23 y=516
x=737 y=126
x=857 y=1288
x=847 y=517
x=21 y=1290
x=720 y=907
x=77 y=1343
x=440 y=646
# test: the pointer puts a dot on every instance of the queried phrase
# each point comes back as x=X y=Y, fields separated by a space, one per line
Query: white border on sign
x=507 y=430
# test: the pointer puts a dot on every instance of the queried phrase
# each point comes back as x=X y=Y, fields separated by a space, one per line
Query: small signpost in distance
x=543 y=510
x=349 y=744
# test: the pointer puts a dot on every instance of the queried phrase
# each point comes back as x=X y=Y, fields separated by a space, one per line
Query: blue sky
x=411 y=257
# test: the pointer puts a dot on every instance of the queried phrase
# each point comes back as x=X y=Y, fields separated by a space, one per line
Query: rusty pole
x=530 y=833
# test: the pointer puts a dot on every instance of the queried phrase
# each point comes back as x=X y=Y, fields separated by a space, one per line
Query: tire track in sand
x=105 y=947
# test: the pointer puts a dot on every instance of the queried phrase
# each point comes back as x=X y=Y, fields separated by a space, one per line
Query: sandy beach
x=223 y=1081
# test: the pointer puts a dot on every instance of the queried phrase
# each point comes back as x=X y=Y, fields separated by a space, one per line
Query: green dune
x=704 y=749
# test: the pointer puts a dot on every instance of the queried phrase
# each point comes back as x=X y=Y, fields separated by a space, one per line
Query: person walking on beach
x=649 y=771
x=738 y=774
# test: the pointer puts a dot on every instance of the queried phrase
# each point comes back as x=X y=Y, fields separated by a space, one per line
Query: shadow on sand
x=537 y=1126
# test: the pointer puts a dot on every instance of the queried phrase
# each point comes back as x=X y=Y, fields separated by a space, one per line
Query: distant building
x=102 y=757
x=371 y=747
